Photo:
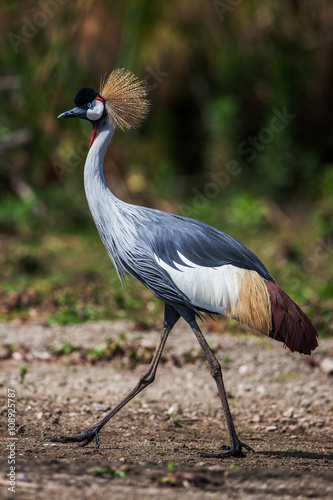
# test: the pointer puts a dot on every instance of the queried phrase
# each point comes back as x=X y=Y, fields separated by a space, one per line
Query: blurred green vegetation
x=240 y=136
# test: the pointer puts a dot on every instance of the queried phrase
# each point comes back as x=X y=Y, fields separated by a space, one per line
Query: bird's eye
x=89 y=105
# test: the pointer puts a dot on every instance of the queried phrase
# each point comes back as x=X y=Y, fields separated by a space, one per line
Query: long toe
x=221 y=454
x=234 y=451
x=247 y=447
x=83 y=439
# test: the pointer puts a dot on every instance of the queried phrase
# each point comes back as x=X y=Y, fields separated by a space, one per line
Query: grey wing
x=201 y=244
x=163 y=236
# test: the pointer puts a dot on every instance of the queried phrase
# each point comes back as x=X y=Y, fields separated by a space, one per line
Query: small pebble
x=271 y=428
x=17 y=356
x=86 y=409
x=243 y=369
x=261 y=390
x=101 y=407
x=174 y=409
x=305 y=403
x=289 y=413
x=327 y=366
x=22 y=477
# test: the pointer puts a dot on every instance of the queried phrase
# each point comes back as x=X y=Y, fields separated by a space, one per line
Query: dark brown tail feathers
x=289 y=323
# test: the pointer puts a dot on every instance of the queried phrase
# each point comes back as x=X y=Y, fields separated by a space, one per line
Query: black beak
x=74 y=113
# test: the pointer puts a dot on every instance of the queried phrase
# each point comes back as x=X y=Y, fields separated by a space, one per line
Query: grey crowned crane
x=193 y=268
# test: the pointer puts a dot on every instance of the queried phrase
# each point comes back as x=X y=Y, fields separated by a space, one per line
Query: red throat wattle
x=93 y=135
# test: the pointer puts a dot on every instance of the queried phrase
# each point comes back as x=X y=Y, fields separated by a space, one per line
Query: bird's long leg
x=170 y=318
x=216 y=372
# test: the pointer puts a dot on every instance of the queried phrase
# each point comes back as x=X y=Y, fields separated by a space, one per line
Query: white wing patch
x=213 y=288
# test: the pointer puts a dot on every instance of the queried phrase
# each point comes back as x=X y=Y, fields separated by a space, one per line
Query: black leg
x=215 y=369
x=170 y=318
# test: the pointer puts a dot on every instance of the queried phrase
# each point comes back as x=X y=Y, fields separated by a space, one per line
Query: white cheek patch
x=95 y=112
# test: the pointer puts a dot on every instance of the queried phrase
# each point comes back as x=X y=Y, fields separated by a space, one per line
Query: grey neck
x=94 y=182
x=104 y=206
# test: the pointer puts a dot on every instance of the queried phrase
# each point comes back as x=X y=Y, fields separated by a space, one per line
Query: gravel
x=281 y=403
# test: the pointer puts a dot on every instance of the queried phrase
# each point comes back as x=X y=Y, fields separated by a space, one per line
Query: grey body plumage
x=133 y=235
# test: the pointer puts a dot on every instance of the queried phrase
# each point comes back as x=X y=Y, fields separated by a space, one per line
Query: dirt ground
x=282 y=405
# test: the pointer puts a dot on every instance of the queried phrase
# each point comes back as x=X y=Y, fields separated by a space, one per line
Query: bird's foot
x=83 y=439
x=234 y=451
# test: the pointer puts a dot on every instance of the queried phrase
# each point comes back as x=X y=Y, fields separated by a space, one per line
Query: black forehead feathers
x=84 y=95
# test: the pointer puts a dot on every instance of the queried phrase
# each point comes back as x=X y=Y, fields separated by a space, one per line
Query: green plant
x=66 y=348
x=23 y=373
x=171 y=467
